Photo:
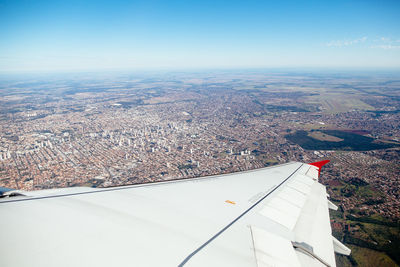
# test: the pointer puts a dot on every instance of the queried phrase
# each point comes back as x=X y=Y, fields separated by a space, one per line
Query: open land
x=111 y=129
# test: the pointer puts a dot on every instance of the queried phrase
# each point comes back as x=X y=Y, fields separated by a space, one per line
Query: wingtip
x=319 y=164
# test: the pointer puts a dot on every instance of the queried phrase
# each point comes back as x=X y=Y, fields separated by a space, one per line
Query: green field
x=338 y=103
x=364 y=257
x=324 y=137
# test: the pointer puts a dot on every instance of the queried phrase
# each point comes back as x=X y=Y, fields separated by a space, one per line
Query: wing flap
x=313 y=225
x=340 y=248
x=272 y=249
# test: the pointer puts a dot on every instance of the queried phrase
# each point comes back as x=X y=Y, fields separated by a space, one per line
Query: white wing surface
x=276 y=216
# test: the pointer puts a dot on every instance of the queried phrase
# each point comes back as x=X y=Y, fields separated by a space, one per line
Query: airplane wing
x=275 y=216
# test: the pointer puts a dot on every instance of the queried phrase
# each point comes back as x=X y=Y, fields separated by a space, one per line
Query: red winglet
x=319 y=164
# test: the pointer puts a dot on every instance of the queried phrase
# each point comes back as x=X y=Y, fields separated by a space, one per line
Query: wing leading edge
x=276 y=216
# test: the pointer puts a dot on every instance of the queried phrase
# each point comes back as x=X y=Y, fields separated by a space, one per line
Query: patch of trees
x=350 y=141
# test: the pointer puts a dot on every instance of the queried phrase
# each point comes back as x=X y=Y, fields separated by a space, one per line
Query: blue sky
x=89 y=35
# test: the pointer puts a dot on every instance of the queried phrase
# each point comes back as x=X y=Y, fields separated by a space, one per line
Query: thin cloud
x=342 y=43
x=386 y=43
x=386 y=46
